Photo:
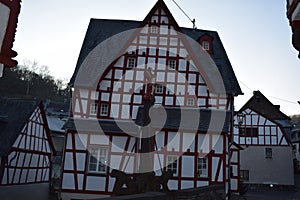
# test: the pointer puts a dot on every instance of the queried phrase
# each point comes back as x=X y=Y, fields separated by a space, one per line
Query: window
x=153 y=29
x=244 y=175
x=104 y=109
x=94 y=109
x=268 y=152
x=205 y=45
x=248 y=132
x=172 y=64
x=202 y=167
x=131 y=62
x=172 y=164
x=98 y=159
x=159 y=89
x=190 y=102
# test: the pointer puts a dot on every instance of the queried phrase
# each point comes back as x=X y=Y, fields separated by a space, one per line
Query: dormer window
x=131 y=62
x=206 y=45
x=206 y=41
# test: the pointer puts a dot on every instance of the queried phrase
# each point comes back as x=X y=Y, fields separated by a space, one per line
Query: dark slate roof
x=212 y=120
x=260 y=104
x=107 y=126
x=101 y=29
x=14 y=114
x=186 y=118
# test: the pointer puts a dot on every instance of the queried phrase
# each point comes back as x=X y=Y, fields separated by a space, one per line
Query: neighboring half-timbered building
x=25 y=150
x=295 y=139
x=125 y=64
x=263 y=131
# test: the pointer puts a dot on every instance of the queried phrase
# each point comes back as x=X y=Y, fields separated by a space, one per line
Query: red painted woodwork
x=6 y=52
x=29 y=159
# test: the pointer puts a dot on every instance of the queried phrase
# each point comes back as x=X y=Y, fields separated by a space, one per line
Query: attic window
x=153 y=29
x=206 y=42
x=206 y=45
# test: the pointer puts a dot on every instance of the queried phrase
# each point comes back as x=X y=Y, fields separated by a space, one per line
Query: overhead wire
x=192 y=20
x=281 y=99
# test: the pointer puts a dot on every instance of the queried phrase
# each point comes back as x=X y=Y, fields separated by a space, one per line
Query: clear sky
x=255 y=33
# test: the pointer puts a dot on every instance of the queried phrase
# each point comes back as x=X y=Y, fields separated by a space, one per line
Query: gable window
x=268 y=152
x=153 y=29
x=131 y=62
x=104 y=109
x=172 y=64
x=244 y=175
x=94 y=109
x=97 y=161
x=202 y=167
x=159 y=89
x=248 y=132
x=206 y=45
x=190 y=101
x=172 y=164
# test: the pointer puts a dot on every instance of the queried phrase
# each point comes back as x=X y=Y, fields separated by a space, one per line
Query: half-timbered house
x=25 y=150
x=124 y=68
x=263 y=132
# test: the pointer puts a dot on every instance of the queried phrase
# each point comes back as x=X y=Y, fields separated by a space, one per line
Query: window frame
x=269 y=153
x=248 y=131
x=189 y=100
x=153 y=29
x=200 y=167
x=101 y=168
x=244 y=175
x=206 y=45
x=131 y=62
x=102 y=107
x=159 y=89
x=172 y=164
x=172 y=64
x=93 y=108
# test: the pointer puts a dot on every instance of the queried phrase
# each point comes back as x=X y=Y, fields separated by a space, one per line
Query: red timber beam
x=6 y=52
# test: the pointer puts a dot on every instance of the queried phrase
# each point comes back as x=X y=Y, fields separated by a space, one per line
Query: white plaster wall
x=276 y=170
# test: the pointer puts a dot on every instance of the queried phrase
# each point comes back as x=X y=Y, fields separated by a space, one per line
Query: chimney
x=277 y=107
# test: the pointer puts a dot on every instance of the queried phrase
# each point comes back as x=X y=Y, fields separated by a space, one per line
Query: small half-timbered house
x=263 y=132
x=25 y=150
x=182 y=76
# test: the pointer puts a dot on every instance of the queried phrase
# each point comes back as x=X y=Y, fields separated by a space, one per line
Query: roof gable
x=14 y=115
x=260 y=104
x=160 y=8
x=100 y=30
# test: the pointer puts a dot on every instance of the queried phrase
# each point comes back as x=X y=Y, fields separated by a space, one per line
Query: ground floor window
x=268 y=152
x=97 y=161
x=244 y=175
